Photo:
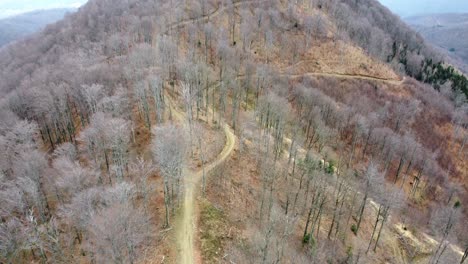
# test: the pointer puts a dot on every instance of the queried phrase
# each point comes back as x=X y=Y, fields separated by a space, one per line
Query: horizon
x=11 y=8
x=405 y=8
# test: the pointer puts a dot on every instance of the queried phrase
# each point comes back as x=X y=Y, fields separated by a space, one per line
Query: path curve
x=187 y=222
x=185 y=230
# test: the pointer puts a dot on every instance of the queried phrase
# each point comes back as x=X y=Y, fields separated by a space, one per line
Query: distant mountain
x=16 y=27
x=447 y=31
x=405 y=8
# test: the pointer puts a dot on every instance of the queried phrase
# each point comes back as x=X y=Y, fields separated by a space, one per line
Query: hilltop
x=208 y=131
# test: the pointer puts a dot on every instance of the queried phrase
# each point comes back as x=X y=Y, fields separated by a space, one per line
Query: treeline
x=439 y=74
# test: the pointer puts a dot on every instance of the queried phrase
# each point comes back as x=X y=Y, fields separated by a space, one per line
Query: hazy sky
x=14 y=7
x=400 y=7
x=414 y=7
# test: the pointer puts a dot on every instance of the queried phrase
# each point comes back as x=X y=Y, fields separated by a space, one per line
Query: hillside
x=17 y=27
x=447 y=31
x=208 y=131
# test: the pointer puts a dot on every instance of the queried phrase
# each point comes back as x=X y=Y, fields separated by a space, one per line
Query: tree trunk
x=350 y=211
x=337 y=201
x=366 y=144
x=307 y=222
x=320 y=218
x=375 y=227
x=384 y=218
x=361 y=211
x=465 y=255
x=267 y=242
x=340 y=213
x=166 y=204
x=353 y=145
x=400 y=166
x=441 y=253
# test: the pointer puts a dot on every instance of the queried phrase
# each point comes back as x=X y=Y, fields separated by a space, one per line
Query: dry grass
x=328 y=56
x=213 y=230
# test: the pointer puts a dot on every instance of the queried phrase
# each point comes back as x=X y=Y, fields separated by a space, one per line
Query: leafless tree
x=141 y=171
x=112 y=145
x=13 y=239
x=72 y=178
x=118 y=232
x=157 y=91
x=169 y=149
x=387 y=199
x=443 y=221
x=30 y=170
x=372 y=178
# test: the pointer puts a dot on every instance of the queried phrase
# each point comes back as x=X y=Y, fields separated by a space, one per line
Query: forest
x=220 y=131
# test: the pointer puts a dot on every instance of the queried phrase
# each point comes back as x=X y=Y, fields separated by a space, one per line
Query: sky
x=406 y=8
x=15 y=7
x=403 y=8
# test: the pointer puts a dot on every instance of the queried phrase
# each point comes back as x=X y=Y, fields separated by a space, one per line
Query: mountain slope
x=343 y=152
x=448 y=31
x=14 y=28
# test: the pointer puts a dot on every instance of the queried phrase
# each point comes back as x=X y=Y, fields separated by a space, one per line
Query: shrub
x=349 y=253
x=354 y=229
x=331 y=165
x=307 y=239
x=457 y=204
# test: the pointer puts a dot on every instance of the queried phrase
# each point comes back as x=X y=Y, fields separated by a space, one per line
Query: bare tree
x=78 y=213
x=443 y=221
x=72 y=178
x=372 y=179
x=13 y=239
x=141 y=94
x=387 y=199
x=110 y=144
x=157 y=91
x=405 y=112
x=169 y=148
x=118 y=232
x=141 y=171
x=30 y=170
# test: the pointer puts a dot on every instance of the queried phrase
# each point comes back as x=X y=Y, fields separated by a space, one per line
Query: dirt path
x=345 y=76
x=186 y=223
x=185 y=229
x=203 y=18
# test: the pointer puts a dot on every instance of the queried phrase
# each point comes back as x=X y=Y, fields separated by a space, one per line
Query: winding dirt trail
x=186 y=223
x=185 y=229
